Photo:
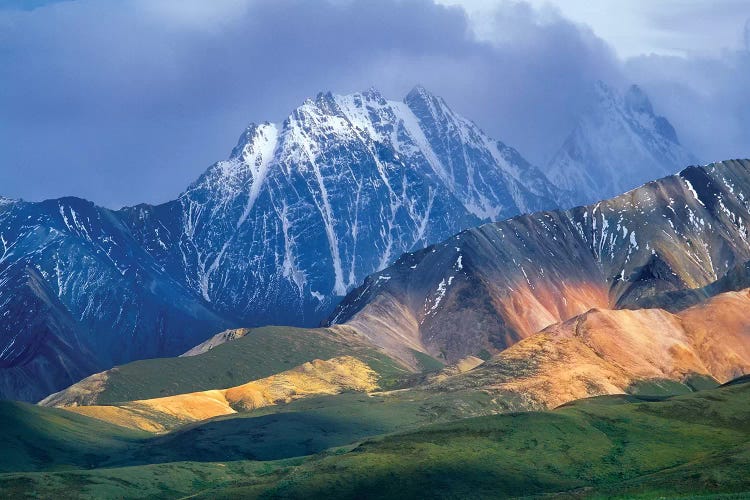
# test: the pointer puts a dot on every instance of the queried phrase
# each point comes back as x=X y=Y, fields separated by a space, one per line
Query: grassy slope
x=303 y=427
x=590 y=444
x=309 y=426
x=35 y=438
x=609 y=446
x=261 y=353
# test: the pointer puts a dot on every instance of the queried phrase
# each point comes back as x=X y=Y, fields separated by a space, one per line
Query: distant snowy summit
x=618 y=144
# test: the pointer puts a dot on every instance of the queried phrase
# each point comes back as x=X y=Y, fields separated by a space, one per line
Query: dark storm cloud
x=706 y=92
x=535 y=80
x=706 y=98
x=122 y=102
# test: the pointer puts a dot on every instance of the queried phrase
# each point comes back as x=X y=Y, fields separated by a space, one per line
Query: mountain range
x=658 y=418
x=598 y=350
x=297 y=215
x=507 y=280
x=548 y=288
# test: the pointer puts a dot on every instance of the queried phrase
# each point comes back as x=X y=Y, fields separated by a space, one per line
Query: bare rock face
x=491 y=286
x=217 y=340
x=608 y=351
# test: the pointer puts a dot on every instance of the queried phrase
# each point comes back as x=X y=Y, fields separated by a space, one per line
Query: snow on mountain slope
x=75 y=286
x=301 y=212
x=618 y=144
x=297 y=216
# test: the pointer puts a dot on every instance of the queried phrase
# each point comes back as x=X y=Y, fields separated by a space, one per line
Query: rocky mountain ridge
x=507 y=280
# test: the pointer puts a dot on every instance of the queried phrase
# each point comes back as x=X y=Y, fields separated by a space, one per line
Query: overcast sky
x=127 y=101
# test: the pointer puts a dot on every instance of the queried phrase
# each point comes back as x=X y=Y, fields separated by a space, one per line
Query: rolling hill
x=601 y=352
x=260 y=353
x=646 y=351
x=614 y=446
x=316 y=377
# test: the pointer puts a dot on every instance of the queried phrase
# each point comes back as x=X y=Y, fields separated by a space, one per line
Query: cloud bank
x=708 y=99
x=123 y=102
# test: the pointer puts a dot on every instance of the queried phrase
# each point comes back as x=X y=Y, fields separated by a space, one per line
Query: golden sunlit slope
x=228 y=359
x=317 y=377
x=612 y=351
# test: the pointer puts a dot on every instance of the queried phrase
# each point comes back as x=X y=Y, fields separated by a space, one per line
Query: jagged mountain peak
x=423 y=103
x=419 y=92
x=421 y=129
x=373 y=94
x=329 y=103
x=637 y=101
x=632 y=99
x=247 y=141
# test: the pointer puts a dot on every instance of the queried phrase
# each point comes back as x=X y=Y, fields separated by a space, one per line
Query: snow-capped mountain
x=302 y=211
x=618 y=144
x=297 y=215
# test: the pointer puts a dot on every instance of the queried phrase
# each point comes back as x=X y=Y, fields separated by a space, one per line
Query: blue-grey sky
x=127 y=101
